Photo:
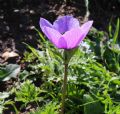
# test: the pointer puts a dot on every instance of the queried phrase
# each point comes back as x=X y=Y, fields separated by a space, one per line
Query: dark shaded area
x=17 y=17
x=102 y=11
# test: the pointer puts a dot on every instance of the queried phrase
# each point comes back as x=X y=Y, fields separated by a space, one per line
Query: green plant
x=91 y=82
x=49 y=108
x=28 y=93
x=9 y=71
x=106 y=47
x=4 y=103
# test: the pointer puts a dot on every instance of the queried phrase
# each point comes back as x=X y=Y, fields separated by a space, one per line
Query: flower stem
x=64 y=87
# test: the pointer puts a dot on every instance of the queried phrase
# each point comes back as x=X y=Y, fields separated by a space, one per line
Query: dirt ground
x=18 y=17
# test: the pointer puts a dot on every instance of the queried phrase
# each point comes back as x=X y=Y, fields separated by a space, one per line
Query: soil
x=18 y=17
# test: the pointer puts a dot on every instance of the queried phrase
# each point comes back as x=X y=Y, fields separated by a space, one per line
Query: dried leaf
x=6 y=55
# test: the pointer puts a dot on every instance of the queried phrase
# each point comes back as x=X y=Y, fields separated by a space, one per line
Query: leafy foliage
x=93 y=76
x=3 y=102
x=50 y=108
x=9 y=71
x=88 y=80
x=106 y=47
x=28 y=92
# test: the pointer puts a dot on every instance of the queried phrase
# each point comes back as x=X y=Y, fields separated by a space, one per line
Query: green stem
x=64 y=87
x=16 y=111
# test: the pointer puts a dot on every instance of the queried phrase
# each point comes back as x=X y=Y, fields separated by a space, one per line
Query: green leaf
x=4 y=95
x=40 y=34
x=116 y=32
x=91 y=106
x=9 y=71
x=36 y=52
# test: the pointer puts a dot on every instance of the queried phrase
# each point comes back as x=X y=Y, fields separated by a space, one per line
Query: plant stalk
x=64 y=87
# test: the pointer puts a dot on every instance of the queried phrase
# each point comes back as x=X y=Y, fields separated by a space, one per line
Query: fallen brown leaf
x=6 y=55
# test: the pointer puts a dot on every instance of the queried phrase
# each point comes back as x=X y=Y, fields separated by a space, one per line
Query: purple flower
x=65 y=32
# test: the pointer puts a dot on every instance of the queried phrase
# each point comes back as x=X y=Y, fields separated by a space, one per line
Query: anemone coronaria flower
x=65 y=32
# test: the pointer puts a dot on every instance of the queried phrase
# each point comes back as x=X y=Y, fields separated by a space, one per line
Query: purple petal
x=62 y=44
x=65 y=23
x=86 y=27
x=53 y=36
x=73 y=37
x=43 y=22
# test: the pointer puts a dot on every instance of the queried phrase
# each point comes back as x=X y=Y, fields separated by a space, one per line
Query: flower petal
x=62 y=44
x=65 y=23
x=73 y=37
x=53 y=35
x=86 y=27
x=43 y=22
